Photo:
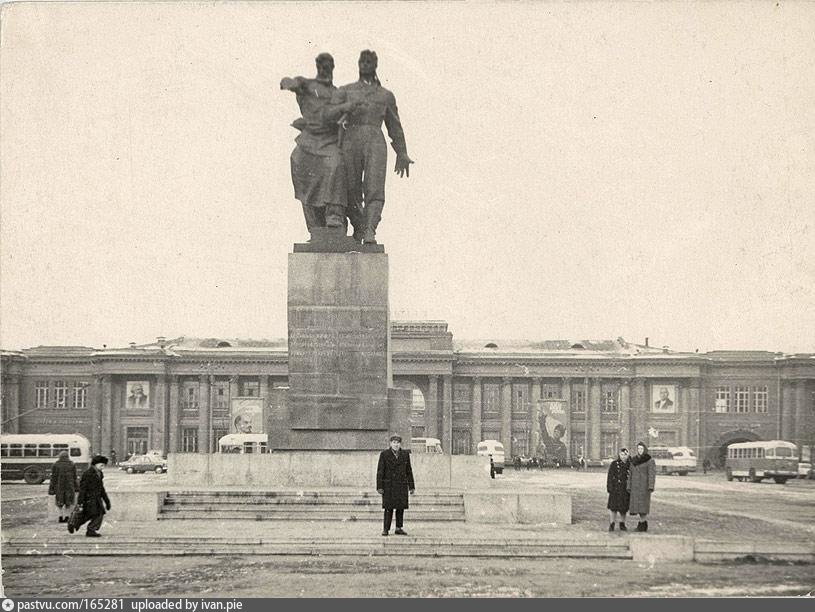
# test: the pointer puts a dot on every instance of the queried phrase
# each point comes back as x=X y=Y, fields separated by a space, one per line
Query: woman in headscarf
x=64 y=485
x=617 y=487
x=641 y=478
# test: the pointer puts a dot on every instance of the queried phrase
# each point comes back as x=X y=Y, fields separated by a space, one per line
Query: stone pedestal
x=339 y=335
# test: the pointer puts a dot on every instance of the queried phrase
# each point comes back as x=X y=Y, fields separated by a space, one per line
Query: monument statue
x=317 y=169
x=363 y=146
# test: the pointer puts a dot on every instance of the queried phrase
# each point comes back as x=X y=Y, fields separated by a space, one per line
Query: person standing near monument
x=394 y=482
x=641 y=480
x=63 y=485
x=364 y=148
x=317 y=169
x=617 y=488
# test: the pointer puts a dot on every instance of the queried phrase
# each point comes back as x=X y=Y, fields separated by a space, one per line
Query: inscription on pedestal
x=338 y=341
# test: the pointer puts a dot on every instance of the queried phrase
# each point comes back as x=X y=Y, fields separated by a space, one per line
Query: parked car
x=805 y=470
x=144 y=463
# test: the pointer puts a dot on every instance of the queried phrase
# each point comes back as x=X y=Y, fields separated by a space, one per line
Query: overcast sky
x=582 y=171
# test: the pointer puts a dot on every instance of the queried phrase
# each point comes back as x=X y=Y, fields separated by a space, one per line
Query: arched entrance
x=717 y=453
x=417 y=427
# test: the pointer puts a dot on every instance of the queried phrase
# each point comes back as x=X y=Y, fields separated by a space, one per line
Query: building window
x=189 y=440
x=461 y=442
x=189 y=399
x=80 y=395
x=608 y=401
x=760 y=398
x=520 y=443
x=217 y=434
x=578 y=445
x=722 y=399
x=417 y=411
x=461 y=397
x=220 y=406
x=742 y=399
x=609 y=443
x=250 y=387
x=41 y=397
x=491 y=435
x=417 y=431
x=60 y=394
x=492 y=400
x=579 y=399
x=137 y=440
x=520 y=398
x=550 y=392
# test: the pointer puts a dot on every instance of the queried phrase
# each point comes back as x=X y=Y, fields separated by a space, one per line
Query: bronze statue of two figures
x=339 y=164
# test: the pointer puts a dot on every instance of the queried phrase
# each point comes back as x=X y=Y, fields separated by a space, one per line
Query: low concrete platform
x=352 y=538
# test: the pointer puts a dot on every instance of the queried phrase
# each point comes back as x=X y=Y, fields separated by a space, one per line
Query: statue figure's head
x=325 y=67
x=367 y=65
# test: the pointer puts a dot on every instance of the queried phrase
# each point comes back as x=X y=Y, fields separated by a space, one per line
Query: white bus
x=244 y=443
x=425 y=445
x=673 y=459
x=30 y=456
x=755 y=461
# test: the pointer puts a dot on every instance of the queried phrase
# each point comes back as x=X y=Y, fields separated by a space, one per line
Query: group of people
x=339 y=164
x=630 y=483
x=92 y=501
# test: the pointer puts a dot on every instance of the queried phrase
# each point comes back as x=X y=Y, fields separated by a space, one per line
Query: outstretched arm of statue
x=334 y=111
x=292 y=84
x=397 y=134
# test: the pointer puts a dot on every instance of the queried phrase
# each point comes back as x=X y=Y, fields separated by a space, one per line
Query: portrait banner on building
x=137 y=395
x=246 y=415
x=552 y=428
x=663 y=399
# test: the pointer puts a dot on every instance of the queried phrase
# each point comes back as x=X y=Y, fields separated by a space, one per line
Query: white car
x=805 y=470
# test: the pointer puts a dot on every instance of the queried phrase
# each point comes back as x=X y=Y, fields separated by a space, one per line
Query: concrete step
x=303 y=505
x=306 y=508
x=173 y=500
x=410 y=546
x=317 y=514
x=301 y=494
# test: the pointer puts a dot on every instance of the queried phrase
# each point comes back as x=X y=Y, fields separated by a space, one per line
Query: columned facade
x=598 y=397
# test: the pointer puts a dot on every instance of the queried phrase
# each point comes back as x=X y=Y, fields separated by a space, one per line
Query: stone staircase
x=304 y=506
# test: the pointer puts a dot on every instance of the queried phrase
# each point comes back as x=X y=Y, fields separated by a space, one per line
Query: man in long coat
x=92 y=496
x=641 y=480
x=617 y=488
x=394 y=482
x=63 y=485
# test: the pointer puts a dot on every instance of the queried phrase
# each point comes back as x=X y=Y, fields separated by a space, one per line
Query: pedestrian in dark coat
x=92 y=496
x=63 y=485
x=641 y=479
x=616 y=486
x=394 y=482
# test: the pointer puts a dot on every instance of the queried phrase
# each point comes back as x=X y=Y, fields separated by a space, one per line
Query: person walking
x=394 y=482
x=616 y=486
x=63 y=485
x=641 y=479
x=92 y=495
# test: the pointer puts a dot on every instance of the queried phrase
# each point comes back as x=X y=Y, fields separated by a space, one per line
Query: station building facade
x=179 y=395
